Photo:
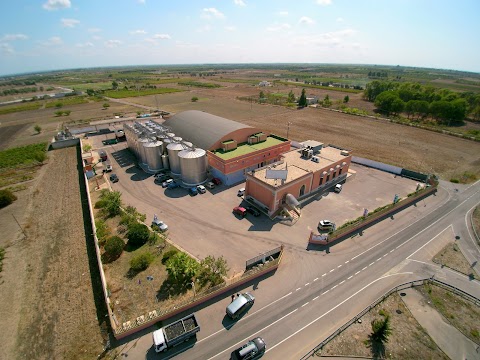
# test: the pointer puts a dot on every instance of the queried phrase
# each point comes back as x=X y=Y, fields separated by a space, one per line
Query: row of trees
x=20 y=91
x=420 y=101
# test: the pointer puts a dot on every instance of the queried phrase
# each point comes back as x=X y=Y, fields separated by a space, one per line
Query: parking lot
x=206 y=225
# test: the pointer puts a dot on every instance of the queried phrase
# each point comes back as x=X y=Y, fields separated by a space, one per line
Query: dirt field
x=47 y=301
x=452 y=257
x=407 y=341
x=395 y=144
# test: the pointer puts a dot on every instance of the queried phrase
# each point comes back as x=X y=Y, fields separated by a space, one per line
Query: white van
x=338 y=188
x=315 y=159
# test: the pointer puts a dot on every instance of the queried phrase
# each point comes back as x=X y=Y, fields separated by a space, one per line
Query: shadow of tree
x=377 y=348
x=171 y=287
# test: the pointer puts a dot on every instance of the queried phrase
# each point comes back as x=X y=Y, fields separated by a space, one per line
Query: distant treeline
x=20 y=91
x=420 y=102
x=18 y=83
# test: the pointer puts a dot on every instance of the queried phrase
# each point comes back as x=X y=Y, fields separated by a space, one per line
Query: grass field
x=65 y=101
x=119 y=94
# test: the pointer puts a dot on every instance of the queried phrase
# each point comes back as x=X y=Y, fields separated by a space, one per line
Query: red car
x=241 y=211
x=216 y=181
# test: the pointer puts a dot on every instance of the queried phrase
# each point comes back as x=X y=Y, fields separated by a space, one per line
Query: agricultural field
x=119 y=94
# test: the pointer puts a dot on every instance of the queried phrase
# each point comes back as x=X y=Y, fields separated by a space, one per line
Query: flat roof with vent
x=243 y=149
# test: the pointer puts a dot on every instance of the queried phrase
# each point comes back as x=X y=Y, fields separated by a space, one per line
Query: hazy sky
x=61 y=34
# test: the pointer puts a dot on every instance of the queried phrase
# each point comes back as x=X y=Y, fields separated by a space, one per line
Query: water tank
x=188 y=144
x=171 y=135
x=193 y=166
x=173 y=149
x=166 y=142
x=142 y=158
x=177 y=138
x=153 y=151
x=165 y=161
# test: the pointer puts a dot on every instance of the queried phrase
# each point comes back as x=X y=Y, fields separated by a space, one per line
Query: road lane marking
x=315 y=279
x=379 y=259
x=385 y=255
x=358 y=272
x=371 y=263
x=399 y=245
x=247 y=338
x=346 y=262
x=332 y=270
x=297 y=289
x=392 y=251
x=333 y=287
x=428 y=242
x=307 y=284
x=245 y=317
x=324 y=274
x=329 y=311
x=364 y=268
x=349 y=277
x=305 y=304
x=315 y=298
x=342 y=282
x=339 y=266
x=326 y=292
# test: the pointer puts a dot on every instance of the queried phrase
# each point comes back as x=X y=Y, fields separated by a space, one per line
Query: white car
x=201 y=189
x=160 y=225
x=241 y=192
x=210 y=185
x=326 y=225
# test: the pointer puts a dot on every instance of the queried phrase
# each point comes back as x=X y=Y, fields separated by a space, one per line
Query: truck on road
x=175 y=333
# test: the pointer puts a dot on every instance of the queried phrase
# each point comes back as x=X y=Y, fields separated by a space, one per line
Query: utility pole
x=288 y=128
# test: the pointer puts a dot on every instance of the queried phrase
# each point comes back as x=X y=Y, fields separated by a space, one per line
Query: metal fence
x=262 y=258
x=406 y=285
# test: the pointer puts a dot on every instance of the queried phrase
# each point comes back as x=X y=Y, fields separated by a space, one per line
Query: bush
x=194 y=99
x=141 y=262
x=113 y=203
x=100 y=204
x=114 y=247
x=102 y=231
x=455 y=181
x=6 y=198
x=168 y=255
x=138 y=234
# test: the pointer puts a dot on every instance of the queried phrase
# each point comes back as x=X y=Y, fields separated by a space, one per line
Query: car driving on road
x=326 y=225
x=253 y=349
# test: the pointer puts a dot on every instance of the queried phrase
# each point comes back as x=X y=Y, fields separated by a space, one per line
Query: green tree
x=59 y=105
x=103 y=231
x=141 y=262
x=114 y=247
x=213 y=270
x=291 y=97
x=261 y=95
x=37 y=128
x=302 y=101
x=380 y=330
x=194 y=99
x=6 y=198
x=58 y=113
x=114 y=85
x=138 y=234
x=326 y=101
x=106 y=105
x=181 y=267
x=346 y=99
x=389 y=102
x=90 y=92
x=113 y=202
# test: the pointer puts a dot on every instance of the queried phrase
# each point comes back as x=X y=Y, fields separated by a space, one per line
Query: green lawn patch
x=118 y=94
x=23 y=155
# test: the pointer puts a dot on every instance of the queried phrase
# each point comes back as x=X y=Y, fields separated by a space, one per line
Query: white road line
x=346 y=262
x=371 y=263
x=378 y=259
x=349 y=277
x=307 y=284
x=333 y=287
x=398 y=246
x=305 y=304
x=385 y=255
x=468 y=229
x=428 y=242
x=315 y=279
x=342 y=282
x=329 y=311
x=324 y=274
x=331 y=270
x=247 y=338
x=326 y=292
x=245 y=317
x=315 y=298
x=364 y=268
x=297 y=289
x=392 y=251
x=358 y=272
x=339 y=266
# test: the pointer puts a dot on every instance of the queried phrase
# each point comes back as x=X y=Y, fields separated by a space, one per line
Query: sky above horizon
x=47 y=35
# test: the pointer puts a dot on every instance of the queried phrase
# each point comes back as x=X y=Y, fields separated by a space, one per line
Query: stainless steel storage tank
x=142 y=158
x=177 y=138
x=170 y=135
x=173 y=149
x=166 y=142
x=193 y=166
x=153 y=151
x=165 y=161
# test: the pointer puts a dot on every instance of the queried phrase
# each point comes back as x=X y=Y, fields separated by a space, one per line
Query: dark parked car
x=216 y=181
x=193 y=191
x=161 y=178
x=173 y=185
x=253 y=349
x=253 y=211
x=238 y=210
x=113 y=178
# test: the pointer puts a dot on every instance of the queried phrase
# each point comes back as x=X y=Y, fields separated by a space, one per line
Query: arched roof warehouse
x=207 y=131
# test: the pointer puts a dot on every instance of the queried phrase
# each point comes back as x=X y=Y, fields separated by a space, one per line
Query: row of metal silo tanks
x=157 y=149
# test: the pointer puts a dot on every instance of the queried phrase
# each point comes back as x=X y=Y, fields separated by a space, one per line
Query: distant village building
x=264 y=83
